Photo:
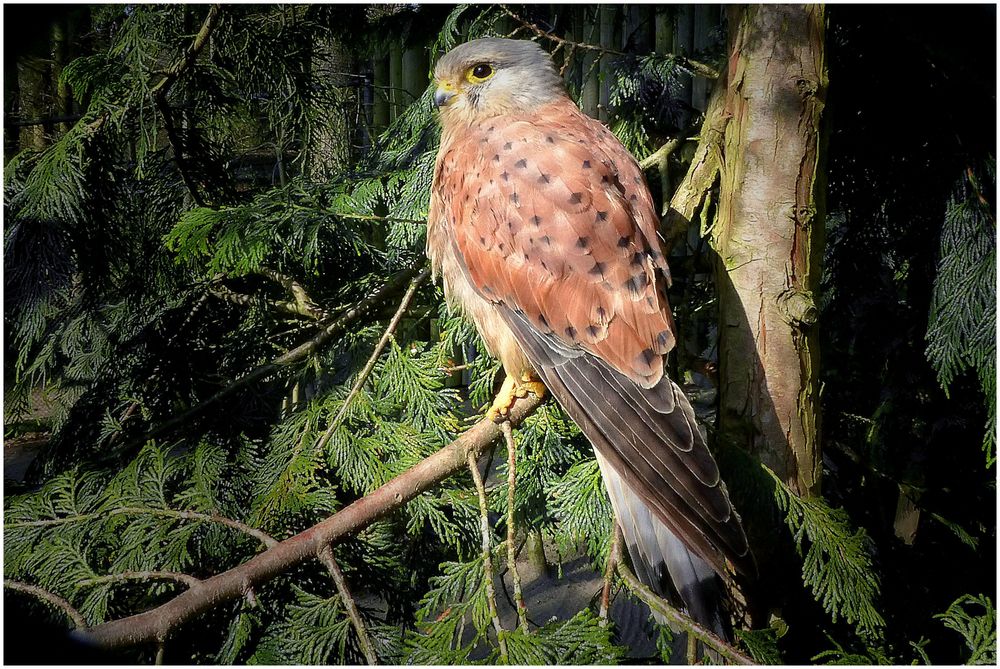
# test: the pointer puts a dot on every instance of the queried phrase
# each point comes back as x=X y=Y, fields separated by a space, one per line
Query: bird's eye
x=480 y=73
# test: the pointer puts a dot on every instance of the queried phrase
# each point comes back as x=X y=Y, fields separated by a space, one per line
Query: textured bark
x=769 y=238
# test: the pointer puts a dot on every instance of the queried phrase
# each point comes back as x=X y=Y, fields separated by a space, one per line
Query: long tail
x=661 y=560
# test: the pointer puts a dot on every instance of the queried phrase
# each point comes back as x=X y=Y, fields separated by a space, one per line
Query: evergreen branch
x=370 y=365
x=515 y=577
x=364 y=640
x=695 y=67
x=680 y=621
x=50 y=598
x=156 y=623
x=303 y=304
x=614 y=555
x=242 y=299
x=264 y=538
x=186 y=579
x=297 y=354
x=484 y=527
x=659 y=156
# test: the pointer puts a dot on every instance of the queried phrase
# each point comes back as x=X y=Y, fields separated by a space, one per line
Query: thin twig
x=484 y=527
x=156 y=623
x=297 y=354
x=370 y=365
x=186 y=579
x=159 y=95
x=678 y=620
x=695 y=67
x=50 y=598
x=330 y=562
x=614 y=554
x=264 y=538
x=515 y=577
x=657 y=157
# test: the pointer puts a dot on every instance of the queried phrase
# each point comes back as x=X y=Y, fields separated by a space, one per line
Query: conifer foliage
x=215 y=277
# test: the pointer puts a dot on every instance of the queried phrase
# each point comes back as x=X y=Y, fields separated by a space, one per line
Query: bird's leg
x=512 y=389
x=530 y=383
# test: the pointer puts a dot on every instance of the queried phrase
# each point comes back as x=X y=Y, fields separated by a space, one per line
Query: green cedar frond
x=837 y=564
x=977 y=626
x=961 y=331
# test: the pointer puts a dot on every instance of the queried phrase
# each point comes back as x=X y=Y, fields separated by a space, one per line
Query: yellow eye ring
x=479 y=73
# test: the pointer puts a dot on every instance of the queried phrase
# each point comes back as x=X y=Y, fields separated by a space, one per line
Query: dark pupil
x=482 y=71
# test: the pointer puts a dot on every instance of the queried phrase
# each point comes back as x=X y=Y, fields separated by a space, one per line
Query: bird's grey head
x=492 y=76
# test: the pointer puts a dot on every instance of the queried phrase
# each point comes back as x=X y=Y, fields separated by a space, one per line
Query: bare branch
x=49 y=598
x=148 y=626
x=326 y=557
x=703 y=171
x=614 y=554
x=484 y=527
x=678 y=620
x=695 y=67
x=515 y=577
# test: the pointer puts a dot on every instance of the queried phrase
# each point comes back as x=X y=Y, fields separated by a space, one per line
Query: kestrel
x=545 y=235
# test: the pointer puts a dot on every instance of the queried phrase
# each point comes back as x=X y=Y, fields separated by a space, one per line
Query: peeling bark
x=769 y=238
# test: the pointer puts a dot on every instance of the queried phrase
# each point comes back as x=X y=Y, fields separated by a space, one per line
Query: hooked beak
x=444 y=94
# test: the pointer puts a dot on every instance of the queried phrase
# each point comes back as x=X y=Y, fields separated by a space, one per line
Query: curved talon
x=509 y=392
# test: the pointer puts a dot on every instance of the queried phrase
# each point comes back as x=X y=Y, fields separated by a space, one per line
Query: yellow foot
x=509 y=392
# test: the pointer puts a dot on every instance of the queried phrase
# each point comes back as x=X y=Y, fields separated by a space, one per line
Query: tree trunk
x=769 y=238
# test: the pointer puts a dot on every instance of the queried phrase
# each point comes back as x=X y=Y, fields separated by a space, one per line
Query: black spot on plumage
x=508 y=146
x=491 y=128
x=637 y=258
x=550 y=140
x=598 y=269
x=545 y=240
x=593 y=331
x=663 y=339
x=496 y=157
x=586 y=164
x=571 y=332
x=576 y=198
x=602 y=314
x=647 y=357
x=541 y=321
x=633 y=197
x=583 y=242
x=505 y=176
x=605 y=179
x=601 y=217
x=537 y=220
x=543 y=179
x=514 y=198
x=623 y=242
x=636 y=283
x=521 y=164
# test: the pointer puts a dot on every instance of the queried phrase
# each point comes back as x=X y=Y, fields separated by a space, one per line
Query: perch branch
x=680 y=621
x=330 y=562
x=186 y=579
x=49 y=598
x=515 y=577
x=484 y=527
x=370 y=365
x=146 y=627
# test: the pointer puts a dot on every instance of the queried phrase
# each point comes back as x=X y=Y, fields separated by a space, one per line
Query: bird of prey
x=545 y=235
